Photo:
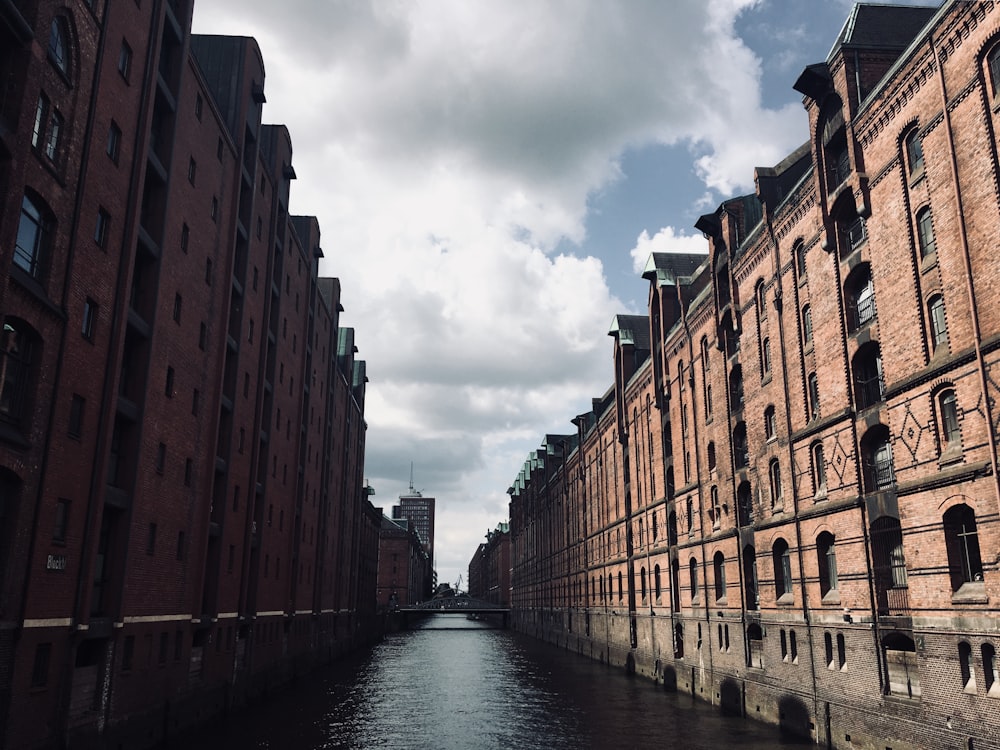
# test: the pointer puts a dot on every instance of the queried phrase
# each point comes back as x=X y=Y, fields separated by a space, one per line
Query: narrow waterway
x=455 y=684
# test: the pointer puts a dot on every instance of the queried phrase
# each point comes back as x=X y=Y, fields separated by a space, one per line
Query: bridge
x=455 y=605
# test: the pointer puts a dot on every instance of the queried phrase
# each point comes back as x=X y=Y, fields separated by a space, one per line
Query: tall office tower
x=420 y=510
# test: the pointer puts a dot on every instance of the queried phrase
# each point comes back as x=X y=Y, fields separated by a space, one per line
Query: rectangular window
x=192 y=170
x=101 y=228
x=62 y=519
x=114 y=142
x=40 y=668
x=41 y=116
x=55 y=130
x=185 y=238
x=125 y=60
x=76 y=415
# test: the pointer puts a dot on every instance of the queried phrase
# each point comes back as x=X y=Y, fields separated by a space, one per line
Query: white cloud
x=447 y=148
x=667 y=240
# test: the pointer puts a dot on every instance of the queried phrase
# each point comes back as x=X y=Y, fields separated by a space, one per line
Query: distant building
x=489 y=570
x=419 y=510
x=403 y=565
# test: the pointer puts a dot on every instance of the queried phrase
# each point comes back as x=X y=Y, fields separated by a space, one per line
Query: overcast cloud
x=447 y=147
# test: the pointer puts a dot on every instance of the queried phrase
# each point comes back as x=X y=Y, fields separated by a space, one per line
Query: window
x=782 y=560
x=736 y=388
x=41 y=117
x=658 y=587
x=89 y=319
x=52 y=140
x=991 y=679
x=716 y=507
x=178 y=302
x=914 y=152
x=761 y=296
x=693 y=574
x=741 y=450
x=18 y=344
x=965 y=565
x=827 y=558
x=993 y=67
x=925 y=233
x=113 y=147
x=169 y=390
x=841 y=652
x=58 y=46
x=869 y=383
x=185 y=237
x=642 y=582
x=192 y=170
x=151 y=539
x=818 y=468
x=744 y=504
x=755 y=639
x=828 y=650
x=793 y=647
x=799 y=251
x=889 y=566
x=61 y=520
x=860 y=298
x=719 y=565
x=101 y=228
x=965 y=667
x=812 y=388
x=711 y=455
x=751 y=592
x=76 y=415
x=40 y=667
x=774 y=472
x=770 y=426
x=33 y=234
x=807 y=325
x=939 y=326
x=706 y=362
x=951 y=435
x=125 y=60
x=876 y=456
x=161 y=457
x=765 y=358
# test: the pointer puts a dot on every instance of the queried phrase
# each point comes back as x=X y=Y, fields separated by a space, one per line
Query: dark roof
x=883 y=26
x=631 y=329
x=673 y=267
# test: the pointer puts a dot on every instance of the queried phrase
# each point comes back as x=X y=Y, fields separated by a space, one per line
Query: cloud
x=448 y=148
x=667 y=240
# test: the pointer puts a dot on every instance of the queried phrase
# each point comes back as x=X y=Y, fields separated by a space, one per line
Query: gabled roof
x=631 y=329
x=673 y=268
x=879 y=26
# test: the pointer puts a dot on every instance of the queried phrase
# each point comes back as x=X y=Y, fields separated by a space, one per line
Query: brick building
x=182 y=424
x=403 y=565
x=419 y=511
x=787 y=503
x=489 y=569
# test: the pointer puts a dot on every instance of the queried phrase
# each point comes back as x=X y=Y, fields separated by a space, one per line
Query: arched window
x=826 y=556
x=59 y=45
x=818 y=468
x=812 y=391
x=621 y=589
x=736 y=388
x=876 y=458
x=19 y=342
x=828 y=649
x=755 y=639
x=675 y=583
x=914 y=152
x=716 y=507
x=807 y=325
x=711 y=455
x=925 y=233
x=965 y=564
x=770 y=424
x=765 y=358
x=782 y=559
x=869 y=382
x=951 y=434
x=744 y=504
x=799 y=253
x=991 y=679
x=642 y=582
x=706 y=361
x=33 y=236
x=741 y=451
x=678 y=641
x=993 y=68
x=841 y=652
x=965 y=667
x=938 y=323
x=719 y=566
x=693 y=573
x=689 y=506
x=672 y=527
x=656 y=582
x=836 y=159
x=774 y=473
x=708 y=402
x=889 y=565
x=751 y=592
x=859 y=295
x=760 y=295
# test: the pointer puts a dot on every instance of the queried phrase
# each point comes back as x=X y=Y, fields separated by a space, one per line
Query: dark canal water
x=454 y=684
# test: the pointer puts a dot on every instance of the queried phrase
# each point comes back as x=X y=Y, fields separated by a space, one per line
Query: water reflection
x=457 y=684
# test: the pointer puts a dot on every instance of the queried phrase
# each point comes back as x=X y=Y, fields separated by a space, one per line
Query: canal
x=454 y=684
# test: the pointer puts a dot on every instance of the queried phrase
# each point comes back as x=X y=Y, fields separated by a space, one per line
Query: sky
x=490 y=177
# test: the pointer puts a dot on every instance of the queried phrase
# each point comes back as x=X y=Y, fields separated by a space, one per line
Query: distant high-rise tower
x=418 y=509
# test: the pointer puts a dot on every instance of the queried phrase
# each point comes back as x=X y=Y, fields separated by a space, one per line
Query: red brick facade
x=182 y=513
x=489 y=569
x=788 y=502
